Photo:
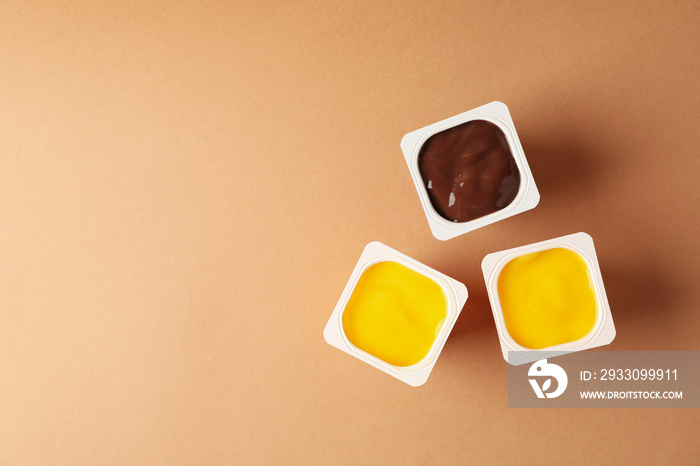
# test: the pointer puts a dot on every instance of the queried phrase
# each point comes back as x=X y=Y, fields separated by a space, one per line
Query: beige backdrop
x=184 y=191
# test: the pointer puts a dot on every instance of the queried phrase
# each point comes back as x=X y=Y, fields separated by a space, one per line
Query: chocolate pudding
x=469 y=171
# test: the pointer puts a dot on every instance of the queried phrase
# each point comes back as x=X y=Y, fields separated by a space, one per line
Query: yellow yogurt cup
x=548 y=299
x=395 y=314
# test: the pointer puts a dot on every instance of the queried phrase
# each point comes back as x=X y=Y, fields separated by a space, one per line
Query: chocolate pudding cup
x=470 y=170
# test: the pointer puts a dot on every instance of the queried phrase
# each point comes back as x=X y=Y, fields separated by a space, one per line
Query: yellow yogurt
x=547 y=298
x=394 y=313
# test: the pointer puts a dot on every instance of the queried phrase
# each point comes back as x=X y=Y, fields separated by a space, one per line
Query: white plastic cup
x=527 y=197
x=455 y=294
x=603 y=332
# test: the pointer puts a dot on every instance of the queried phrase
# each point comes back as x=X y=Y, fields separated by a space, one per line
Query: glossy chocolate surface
x=469 y=171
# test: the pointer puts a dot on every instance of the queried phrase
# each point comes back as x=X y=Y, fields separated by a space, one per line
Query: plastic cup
x=603 y=331
x=527 y=196
x=454 y=293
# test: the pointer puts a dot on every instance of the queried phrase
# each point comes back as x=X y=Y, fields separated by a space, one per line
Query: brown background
x=184 y=191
